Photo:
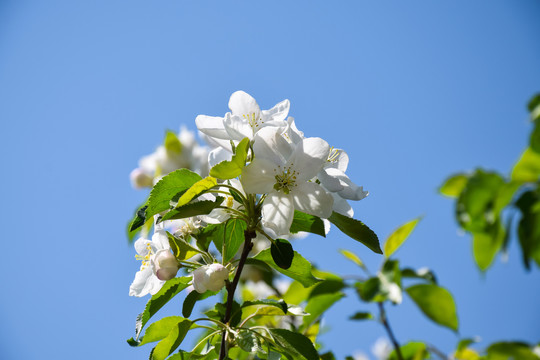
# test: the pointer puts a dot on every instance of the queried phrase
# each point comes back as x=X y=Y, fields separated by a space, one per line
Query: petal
x=269 y=144
x=242 y=103
x=218 y=155
x=308 y=157
x=342 y=206
x=211 y=126
x=312 y=199
x=259 y=177
x=278 y=113
x=161 y=240
x=330 y=182
x=141 y=246
x=353 y=191
x=238 y=127
x=199 y=276
x=292 y=133
x=278 y=212
x=140 y=285
x=338 y=159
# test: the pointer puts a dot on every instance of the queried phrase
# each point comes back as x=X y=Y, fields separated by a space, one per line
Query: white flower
x=244 y=120
x=381 y=349
x=283 y=172
x=141 y=179
x=210 y=277
x=146 y=281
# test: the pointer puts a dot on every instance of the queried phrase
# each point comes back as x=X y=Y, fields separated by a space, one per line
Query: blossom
x=245 y=120
x=146 y=279
x=283 y=172
x=210 y=277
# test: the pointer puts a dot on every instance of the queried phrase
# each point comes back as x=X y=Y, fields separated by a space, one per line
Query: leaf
x=534 y=140
x=327 y=286
x=486 y=247
x=411 y=351
x=195 y=190
x=436 y=303
x=166 y=188
x=308 y=223
x=175 y=337
x=189 y=303
x=280 y=304
x=527 y=169
x=248 y=341
x=181 y=249
x=399 y=236
x=160 y=329
x=317 y=305
x=300 y=268
x=138 y=220
x=454 y=185
x=511 y=350
x=362 y=316
x=172 y=143
x=534 y=107
x=295 y=343
x=356 y=230
x=233 y=233
x=231 y=169
x=282 y=253
x=203 y=207
x=236 y=312
x=529 y=226
x=166 y=293
x=424 y=274
x=353 y=257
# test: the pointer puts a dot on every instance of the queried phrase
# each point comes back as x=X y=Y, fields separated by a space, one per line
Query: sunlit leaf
x=297 y=344
x=195 y=190
x=436 y=303
x=280 y=304
x=307 y=223
x=196 y=208
x=181 y=249
x=357 y=230
x=300 y=268
x=399 y=236
x=175 y=337
x=511 y=351
x=233 y=233
x=233 y=168
x=527 y=169
x=454 y=185
x=172 y=143
x=411 y=351
x=362 y=316
x=317 y=305
x=353 y=257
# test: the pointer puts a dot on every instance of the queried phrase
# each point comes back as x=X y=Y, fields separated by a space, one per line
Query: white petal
x=278 y=212
x=353 y=192
x=237 y=127
x=242 y=103
x=141 y=246
x=278 y=113
x=292 y=132
x=143 y=283
x=340 y=160
x=160 y=240
x=312 y=199
x=269 y=144
x=211 y=126
x=259 y=177
x=308 y=157
x=341 y=206
x=330 y=182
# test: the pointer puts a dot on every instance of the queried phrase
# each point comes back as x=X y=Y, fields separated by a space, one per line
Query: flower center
x=286 y=180
x=253 y=120
x=145 y=258
x=333 y=156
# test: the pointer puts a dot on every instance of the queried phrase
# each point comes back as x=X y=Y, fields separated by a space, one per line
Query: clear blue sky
x=413 y=91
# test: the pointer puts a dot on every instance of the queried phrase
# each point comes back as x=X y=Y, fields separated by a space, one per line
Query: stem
x=386 y=324
x=231 y=288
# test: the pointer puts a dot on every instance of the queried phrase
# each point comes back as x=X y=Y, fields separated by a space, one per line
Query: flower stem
x=386 y=324
x=249 y=235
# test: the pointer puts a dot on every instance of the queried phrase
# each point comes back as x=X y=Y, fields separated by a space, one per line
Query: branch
x=386 y=324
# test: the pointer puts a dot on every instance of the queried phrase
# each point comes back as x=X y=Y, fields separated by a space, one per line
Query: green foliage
x=527 y=169
x=296 y=344
x=436 y=303
x=282 y=253
x=398 y=237
x=511 y=351
x=195 y=190
x=385 y=286
x=232 y=232
x=529 y=226
x=181 y=249
x=203 y=207
x=423 y=274
x=233 y=168
x=280 y=304
x=356 y=230
x=353 y=257
x=174 y=338
x=300 y=268
x=362 y=316
x=307 y=223
x=172 y=143
x=317 y=305
x=411 y=351
x=453 y=186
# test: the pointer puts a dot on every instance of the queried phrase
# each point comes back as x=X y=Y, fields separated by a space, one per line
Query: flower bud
x=140 y=179
x=165 y=265
x=210 y=277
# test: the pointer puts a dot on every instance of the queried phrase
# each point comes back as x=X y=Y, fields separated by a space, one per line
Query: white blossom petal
x=211 y=126
x=269 y=144
x=218 y=155
x=259 y=177
x=308 y=158
x=241 y=103
x=237 y=127
x=327 y=177
x=278 y=113
x=312 y=199
x=278 y=212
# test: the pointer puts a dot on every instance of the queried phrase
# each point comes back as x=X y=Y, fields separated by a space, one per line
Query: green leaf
x=300 y=268
x=399 y=236
x=189 y=303
x=231 y=169
x=248 y=341
x=169 y=290
x=236 y=312
x=203 y=207
x=424 y=274
x=534 y=141
x=282 y=253
x=195 y=190
x=160 y=329
x=454 y=185
x=182 y=250
x=233 y=233
x=436 y=303
x=317 y=305
x=297 y=344
x=534 y=107
x=170 y=185
x=486 y=246
x=280 y=304
x=411 y=351
x=362 y=316
x=175 y=337
x=138 y=220
x=353 y=257
x=527 y=169
x=172 y=143
x=307 y=223
x=327 y=286
x=511 y=351
x=356 y=230
x=529 y=226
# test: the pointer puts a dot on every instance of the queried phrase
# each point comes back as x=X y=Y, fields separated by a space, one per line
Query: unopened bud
x=165 y=265
x=210 y=277
x=140 y=179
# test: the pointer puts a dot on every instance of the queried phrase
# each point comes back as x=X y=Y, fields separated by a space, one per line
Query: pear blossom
x=282 y=172
x=146 y=279
x=210 y=277
x=244 y=120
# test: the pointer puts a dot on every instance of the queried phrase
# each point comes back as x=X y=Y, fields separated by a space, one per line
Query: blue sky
x=413 y=91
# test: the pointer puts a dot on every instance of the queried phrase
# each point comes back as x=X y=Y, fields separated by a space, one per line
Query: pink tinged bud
x=165 y=265
x=140 y=179
x=210 y=277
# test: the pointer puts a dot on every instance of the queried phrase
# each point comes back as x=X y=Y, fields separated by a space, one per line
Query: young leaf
x=193 y=209
x=297 y=344
x=424 y=274
x=172 y=143
x=233 y=233
x=166 y=188
x=195 y=190
x=231 y=169
x=158 y=300
x=160 y=329
x=454 y=185
x=175 y=337
x=353 y=257
x=436 y=303
x=280 y=304
x=527 y=169
x=137 y=222
x=529 y=226
x=356 y=230
x=300 y=268
x=282 y=253
x=189 y=303
x=248 y=341
x=399 y=236
x=511 y=350
x=307 y=223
